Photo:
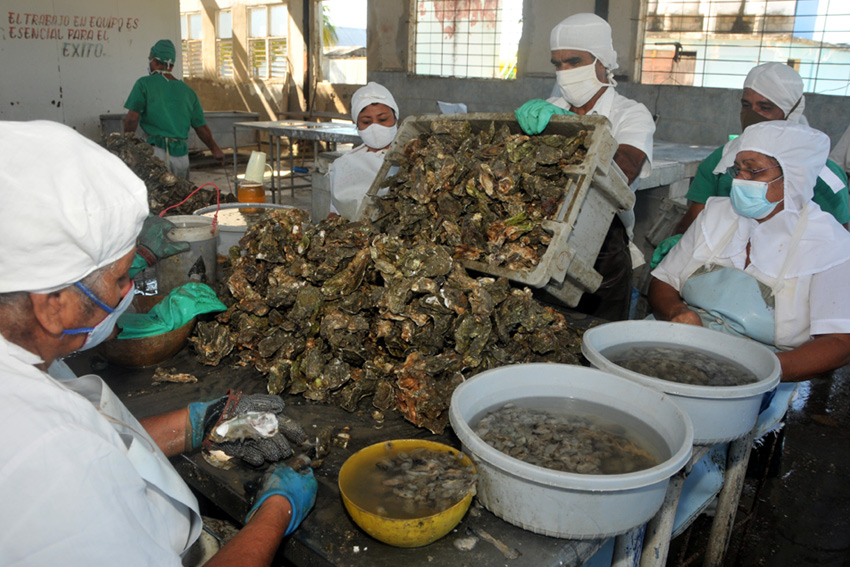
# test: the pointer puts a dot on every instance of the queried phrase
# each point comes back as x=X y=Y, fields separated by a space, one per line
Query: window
x=714 y=43
x=224 y=44
x=343 y=29
x=267 y=41
x=466 y=38
x=192 y=42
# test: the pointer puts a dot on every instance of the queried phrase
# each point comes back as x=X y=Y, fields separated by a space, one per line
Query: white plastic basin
x=718 y=413
x=561 y=504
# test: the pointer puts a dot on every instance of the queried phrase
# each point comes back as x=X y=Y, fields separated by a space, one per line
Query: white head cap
x=370 y=94
x=801 y=152
x=69 y=207
x=781 y=85
x=585 y=32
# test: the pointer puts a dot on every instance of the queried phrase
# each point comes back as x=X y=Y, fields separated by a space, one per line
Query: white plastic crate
x=595 y=191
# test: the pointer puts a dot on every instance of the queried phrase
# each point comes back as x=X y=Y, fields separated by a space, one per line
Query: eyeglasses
x=734 y=171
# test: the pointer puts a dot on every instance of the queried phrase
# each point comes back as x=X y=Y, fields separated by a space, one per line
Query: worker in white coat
x=766 y=263
x=375 y=113
x=82 y=481
x=582 y=52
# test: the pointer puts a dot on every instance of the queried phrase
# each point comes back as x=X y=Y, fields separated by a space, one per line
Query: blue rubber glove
x=203 y=416
x=662 y=249
x=298 y=487
x=534 y=115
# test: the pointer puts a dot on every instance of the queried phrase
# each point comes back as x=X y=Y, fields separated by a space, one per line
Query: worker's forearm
x=821 y=354
x=168 y=431
x=694 y=209
x=255 y=544
x=131 y=122
x=630 y=160
x=205 y=134
x=667 y=304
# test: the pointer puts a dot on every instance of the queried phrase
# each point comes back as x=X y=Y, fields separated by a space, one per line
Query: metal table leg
x=235 y=170
x=291 y=170
x=656 y=541
x=276 y=185
x=627 y=548
x=727 y=504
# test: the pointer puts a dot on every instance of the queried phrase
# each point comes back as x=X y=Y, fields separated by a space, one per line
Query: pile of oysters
x=343 y=313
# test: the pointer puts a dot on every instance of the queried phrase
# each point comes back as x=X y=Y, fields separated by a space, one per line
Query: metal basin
x=146 y=351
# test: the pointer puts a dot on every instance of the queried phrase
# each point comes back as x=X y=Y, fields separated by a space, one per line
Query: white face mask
x=102 y=330
x=378 y=137
x=578 y=85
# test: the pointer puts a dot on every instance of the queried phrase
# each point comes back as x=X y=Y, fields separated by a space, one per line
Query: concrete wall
x=268 y=97
x=703 y=116
x=73 y=61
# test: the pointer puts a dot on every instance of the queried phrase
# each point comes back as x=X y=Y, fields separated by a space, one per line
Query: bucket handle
x=217 y=203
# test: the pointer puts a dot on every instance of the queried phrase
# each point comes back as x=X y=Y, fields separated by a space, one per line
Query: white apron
x=148 y=460
x=733 y=302
x=351 y=176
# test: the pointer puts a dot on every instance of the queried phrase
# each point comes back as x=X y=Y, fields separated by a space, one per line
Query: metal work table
x=333 y=132
x=672 y=162
x=328 y=536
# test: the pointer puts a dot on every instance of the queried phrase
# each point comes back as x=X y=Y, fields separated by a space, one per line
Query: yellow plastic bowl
x=410 y=532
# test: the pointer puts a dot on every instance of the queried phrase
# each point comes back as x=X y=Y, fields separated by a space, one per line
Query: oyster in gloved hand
x=254 y=429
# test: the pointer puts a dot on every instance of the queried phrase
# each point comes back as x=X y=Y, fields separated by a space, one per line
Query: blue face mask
x=102 y=330
x=749 y=198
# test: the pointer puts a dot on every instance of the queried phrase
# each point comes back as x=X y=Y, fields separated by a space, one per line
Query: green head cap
x=163 y=50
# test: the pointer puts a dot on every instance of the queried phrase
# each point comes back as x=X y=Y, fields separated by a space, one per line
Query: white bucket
x=196 y=264
x=233 y=223
x=718 y=413
x=561 y=504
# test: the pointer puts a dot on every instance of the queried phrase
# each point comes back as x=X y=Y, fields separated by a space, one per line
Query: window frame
x=221 y=68
x=724 y=55
x=192 y=48
x=274 y=47
x=496 y=69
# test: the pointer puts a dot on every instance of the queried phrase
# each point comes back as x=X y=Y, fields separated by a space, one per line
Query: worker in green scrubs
x=166 y=108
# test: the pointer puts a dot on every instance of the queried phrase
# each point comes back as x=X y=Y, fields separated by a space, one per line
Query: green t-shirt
x=708 y=184
x=167 y=109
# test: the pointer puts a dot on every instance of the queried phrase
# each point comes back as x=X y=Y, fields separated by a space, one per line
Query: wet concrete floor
x=799 y=515
x=802 y=515
x=795 y=509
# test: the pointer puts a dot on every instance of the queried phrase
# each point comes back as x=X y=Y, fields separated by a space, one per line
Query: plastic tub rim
x=687 y=390
x=229 y=228
x=199 y=231
x=574 y=481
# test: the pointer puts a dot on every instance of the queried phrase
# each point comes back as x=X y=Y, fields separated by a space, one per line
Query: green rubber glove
x=662 y=249
x=139 y=264
x=298 y=487
x=534 y=115
x=154 y=243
